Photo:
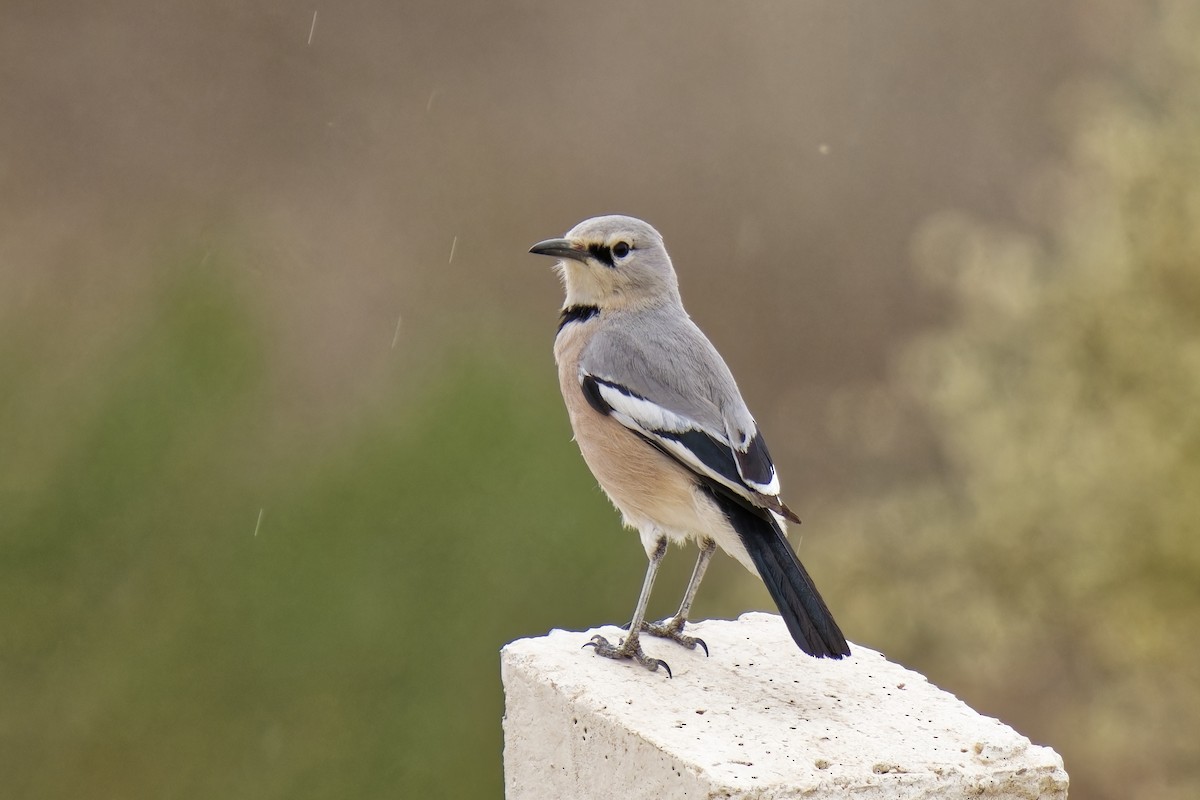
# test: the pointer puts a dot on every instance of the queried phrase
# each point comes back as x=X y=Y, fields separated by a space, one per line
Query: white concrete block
x=758 y=719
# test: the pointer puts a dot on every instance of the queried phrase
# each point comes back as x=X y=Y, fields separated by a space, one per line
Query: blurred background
x=283 y=462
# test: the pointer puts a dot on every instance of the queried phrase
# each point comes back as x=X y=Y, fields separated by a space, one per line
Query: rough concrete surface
x=758 y=719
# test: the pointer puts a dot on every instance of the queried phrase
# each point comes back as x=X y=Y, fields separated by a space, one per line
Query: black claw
x=633 y=653
x=700 y=642
x=595 y=641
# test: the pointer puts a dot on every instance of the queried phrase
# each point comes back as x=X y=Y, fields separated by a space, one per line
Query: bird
x=659 y=420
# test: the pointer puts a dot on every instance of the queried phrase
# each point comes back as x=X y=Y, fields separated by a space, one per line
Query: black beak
x=560 y=248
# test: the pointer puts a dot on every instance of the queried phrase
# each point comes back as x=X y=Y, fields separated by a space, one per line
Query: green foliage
x=1050 y=570
x=160 y=639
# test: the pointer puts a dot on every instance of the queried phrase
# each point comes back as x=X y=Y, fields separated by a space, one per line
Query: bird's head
x=613 y=262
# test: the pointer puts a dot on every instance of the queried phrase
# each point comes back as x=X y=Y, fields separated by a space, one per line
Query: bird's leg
x=672 y=628
x=629 y=647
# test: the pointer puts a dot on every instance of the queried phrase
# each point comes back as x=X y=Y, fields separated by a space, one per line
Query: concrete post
x=758 y=719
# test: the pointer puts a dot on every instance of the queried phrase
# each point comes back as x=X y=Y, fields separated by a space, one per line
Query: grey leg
x=672 y=628
x=630 y=647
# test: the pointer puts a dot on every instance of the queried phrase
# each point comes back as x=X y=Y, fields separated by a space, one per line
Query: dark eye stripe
x=601 y=253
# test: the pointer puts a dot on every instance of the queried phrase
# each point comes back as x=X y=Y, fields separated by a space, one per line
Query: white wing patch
x=771 y=488
x=643 y=414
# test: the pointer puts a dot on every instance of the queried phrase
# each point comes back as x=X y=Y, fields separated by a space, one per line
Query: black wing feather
x=755 y=463
x=715 y=455
x=591 y=393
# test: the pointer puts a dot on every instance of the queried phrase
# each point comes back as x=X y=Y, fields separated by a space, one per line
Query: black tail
x=807 y=617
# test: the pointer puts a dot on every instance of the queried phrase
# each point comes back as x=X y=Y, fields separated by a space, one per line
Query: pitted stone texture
x=758 y=719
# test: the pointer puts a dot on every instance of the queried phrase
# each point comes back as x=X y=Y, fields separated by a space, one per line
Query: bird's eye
x=620 y=249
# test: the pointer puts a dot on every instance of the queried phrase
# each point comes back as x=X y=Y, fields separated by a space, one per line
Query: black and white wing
x=735 y=458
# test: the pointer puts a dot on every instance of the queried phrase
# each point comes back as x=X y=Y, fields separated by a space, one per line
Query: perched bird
x=663 y=427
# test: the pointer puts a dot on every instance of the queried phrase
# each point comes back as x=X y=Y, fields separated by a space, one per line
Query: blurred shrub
x=1049 y=571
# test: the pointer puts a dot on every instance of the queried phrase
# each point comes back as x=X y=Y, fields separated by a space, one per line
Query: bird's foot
x=672 y=629
x=629 y=648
